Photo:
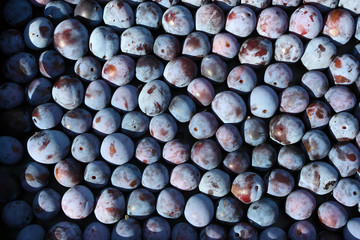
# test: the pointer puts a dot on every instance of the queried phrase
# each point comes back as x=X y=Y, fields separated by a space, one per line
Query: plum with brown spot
x=242 y=79
x=316 y=144
x=178 y=20
x=125 y=98
x=241 y=21
x=206 y=154
x=272 y=22
x=126 y=177
x=68 y=172
x=136 y=41
x=117 y=148
x=71 y=39
x=155 y=177
x=110 y=206
x=215 y=183
x=34 y=177
x=154 y=98
x=319 y=53
x=141 y=203
x=347 y=192
x=344 y=126
x=345 y=69
x=346 y=158
x=226 y=45
x=286 y=129
x=170 y=203
x=234 y=112
x=196 y=45
x=278 y=75
x=48 y=146
x=257 y=52
x=97 y=174
x=339 y=26
x=38 y=33
x=279 y=183
x=118 y=70
x=306 y=21
x=248 y=187
x=167 y=47
x=203 y=125
x=318 y=177
x=288 y=48
x=318 y=114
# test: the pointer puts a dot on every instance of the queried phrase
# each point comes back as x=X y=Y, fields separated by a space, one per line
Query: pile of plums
x=169 y=119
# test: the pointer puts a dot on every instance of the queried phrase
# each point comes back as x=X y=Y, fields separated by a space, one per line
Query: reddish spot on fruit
x=110 y=70
x=112 y=150
x=133 y=183
x=232 y=15
x=351 y=157
x=29 y=177
x=170 y=17
x=144 y=197
x=151 y=90
x=261 y=52
x=44 y=144
x=98 y=119
x=340 y=79
x=337 y=63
